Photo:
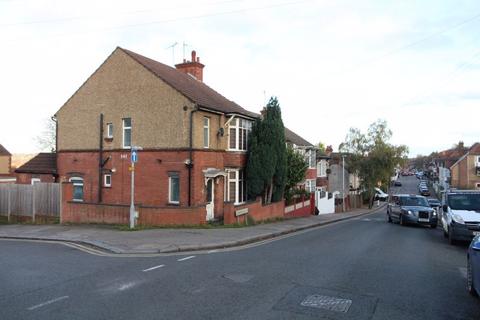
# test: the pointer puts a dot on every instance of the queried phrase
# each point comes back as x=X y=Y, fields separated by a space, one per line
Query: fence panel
x=41 y=199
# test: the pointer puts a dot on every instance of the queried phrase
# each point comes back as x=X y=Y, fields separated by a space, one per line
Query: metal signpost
x=133 y=160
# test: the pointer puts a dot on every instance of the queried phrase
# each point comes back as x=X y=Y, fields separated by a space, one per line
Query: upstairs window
x=127 y=133
x=107 y=180
x=109 y=130
x=322 y=168
x=206 y=132
x=238 y=132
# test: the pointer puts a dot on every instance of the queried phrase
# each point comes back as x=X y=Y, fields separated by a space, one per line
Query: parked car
x=397 y=183
x=434 y=204
x=414 y=209
x=425 y=192
x=461 y=215
x=473 y=267
x=380 y=195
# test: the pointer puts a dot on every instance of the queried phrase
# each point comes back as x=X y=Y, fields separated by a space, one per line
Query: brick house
x=41 y=168
x=5 y=161
x=308 y=150
x=193 y=139
x=465 y=173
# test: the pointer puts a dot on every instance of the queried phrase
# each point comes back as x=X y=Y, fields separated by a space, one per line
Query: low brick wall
x=81 y=212
x=303 y=208
x=156 y=216
x=256 y=210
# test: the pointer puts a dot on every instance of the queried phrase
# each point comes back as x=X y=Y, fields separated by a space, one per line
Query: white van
x=461 y=215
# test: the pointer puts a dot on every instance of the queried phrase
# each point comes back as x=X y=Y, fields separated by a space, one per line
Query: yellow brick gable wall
x=123 y=88
x=4 y=164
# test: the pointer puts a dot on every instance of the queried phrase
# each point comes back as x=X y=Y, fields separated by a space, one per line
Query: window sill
x=174 y=204
x=77 y=200
x=108 y=139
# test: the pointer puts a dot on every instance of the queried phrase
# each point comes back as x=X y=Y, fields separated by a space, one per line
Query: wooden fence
x=37 y=202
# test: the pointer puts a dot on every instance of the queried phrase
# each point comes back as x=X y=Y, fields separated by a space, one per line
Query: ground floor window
x=77 y=188
x=310 y=185
x=236 y=186
x=173 y=187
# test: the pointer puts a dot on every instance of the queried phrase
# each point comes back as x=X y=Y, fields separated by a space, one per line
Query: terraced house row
x=193 y=145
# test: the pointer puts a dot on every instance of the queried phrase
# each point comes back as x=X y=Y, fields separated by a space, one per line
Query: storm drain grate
x=326 y=302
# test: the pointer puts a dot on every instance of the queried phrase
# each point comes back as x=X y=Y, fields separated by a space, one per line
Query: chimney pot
x=194 y=55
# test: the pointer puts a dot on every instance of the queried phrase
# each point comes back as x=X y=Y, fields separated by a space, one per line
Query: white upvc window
x=173 y=188
x=206 y=132
x=238 y=134
x=310 y=185
x=322 y=168
x=107 y=180
x=77 y=188
x=310 y=157
x=236 y=187
x=127 y=133
x=109 y=130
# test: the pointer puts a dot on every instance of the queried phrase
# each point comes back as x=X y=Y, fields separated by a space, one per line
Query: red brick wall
x=78 y=212
x=26 y=178
x=151 y=175
x=311 y=173
x=256 y=210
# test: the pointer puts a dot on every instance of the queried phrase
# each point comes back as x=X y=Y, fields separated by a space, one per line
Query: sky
x=332 y=64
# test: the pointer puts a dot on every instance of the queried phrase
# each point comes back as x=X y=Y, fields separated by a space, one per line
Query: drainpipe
x=54 y=119
x=100 y=160
x=190 y=161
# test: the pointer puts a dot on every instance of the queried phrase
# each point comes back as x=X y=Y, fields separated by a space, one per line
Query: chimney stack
x=193 y=68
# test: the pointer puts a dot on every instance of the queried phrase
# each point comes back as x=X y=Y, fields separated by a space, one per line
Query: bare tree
x=47 y=139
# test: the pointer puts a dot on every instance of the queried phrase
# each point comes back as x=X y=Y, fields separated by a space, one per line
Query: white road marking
x=213 y=251
x=186 y=258
x=463 y=272
x=153 y=268
x=47 y=303
x=366 y=219
x=126 y=286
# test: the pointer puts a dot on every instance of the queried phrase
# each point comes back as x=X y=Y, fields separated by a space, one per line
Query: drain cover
x=326 y=302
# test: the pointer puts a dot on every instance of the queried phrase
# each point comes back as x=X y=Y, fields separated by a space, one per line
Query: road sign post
x=133 y=160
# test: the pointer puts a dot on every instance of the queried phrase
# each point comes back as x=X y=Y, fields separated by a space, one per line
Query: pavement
x=154 y=241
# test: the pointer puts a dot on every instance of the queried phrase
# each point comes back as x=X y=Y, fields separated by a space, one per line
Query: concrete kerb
x=107 y=249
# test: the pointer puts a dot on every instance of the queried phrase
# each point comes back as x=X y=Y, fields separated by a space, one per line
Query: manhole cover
x=326 y=302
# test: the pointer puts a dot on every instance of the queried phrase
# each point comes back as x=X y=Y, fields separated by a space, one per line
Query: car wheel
x=389 y=218
x=433 y=226
x=470 y=285
x=402 y=221
x=451 y=240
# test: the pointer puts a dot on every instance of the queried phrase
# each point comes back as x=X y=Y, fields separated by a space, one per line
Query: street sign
x=134 y=156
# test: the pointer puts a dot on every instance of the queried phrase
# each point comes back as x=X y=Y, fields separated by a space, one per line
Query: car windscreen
x=434 y=202
x=464 y=201
x=414 y=201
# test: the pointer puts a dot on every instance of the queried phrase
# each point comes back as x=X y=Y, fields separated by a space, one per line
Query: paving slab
x=151 y=241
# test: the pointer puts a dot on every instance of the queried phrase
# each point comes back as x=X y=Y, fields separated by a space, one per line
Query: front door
x=210 y=199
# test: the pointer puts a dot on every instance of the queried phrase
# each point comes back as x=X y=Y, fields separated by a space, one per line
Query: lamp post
x=133 y=160
x=343 y=182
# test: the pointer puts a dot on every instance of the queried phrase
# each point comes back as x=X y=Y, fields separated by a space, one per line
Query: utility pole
x=343 y=182
x=133 y=160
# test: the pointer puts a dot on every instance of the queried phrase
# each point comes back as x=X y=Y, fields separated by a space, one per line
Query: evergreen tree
x=266 y=164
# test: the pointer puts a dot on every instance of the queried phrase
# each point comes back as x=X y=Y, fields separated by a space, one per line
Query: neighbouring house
x=344 y=184
x=5 y=161
x=465 y=173
x=192 y=146
x=6 y=166
x=41 y=168
x=308 y=150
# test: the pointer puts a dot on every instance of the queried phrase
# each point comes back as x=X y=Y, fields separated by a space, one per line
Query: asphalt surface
x=378 y=270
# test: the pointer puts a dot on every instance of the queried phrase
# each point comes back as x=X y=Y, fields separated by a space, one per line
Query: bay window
x=238 y=134
x=236 y=186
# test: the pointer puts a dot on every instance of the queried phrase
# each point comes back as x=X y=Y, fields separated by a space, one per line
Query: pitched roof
x=41 y=163
x=292 y=137
x=475 y=149
x=4 y=152
x=195 y=90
